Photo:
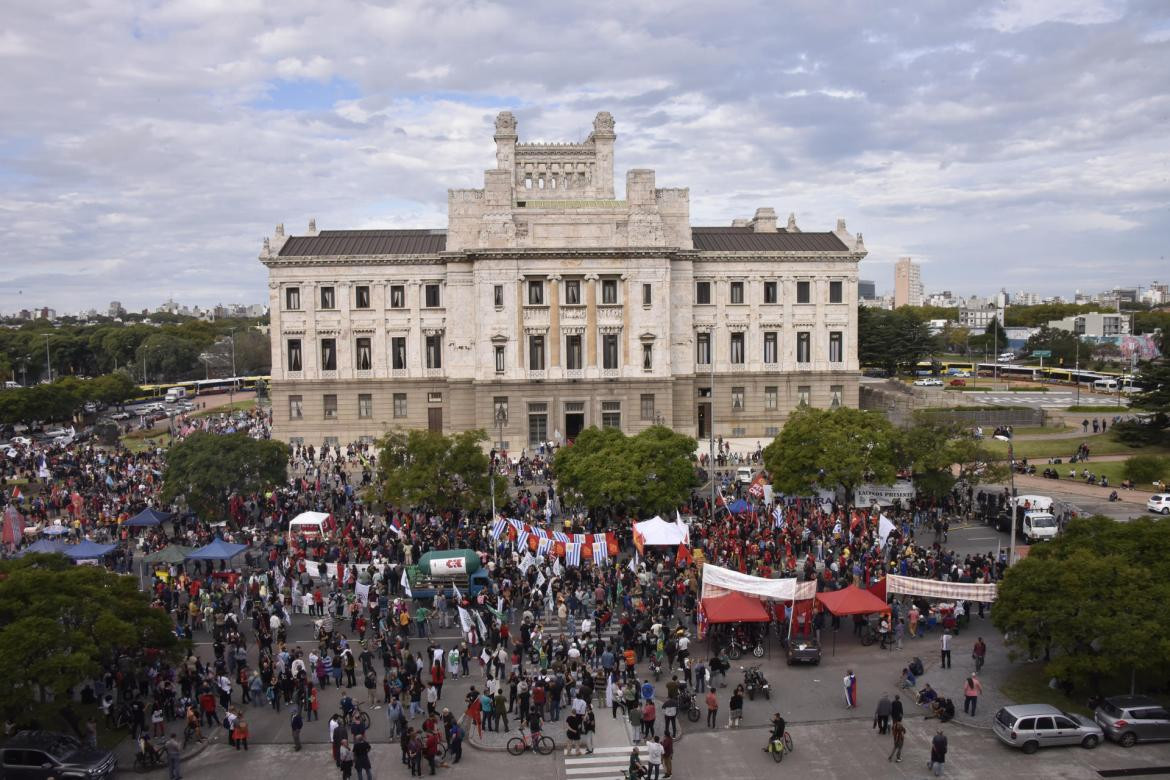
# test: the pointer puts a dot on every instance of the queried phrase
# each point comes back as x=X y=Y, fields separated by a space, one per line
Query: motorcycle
x=755 y=682
x=687 y=702
x=656 y=669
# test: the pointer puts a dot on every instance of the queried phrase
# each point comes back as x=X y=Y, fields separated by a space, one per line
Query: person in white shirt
x=653 y=759
x=945 y=646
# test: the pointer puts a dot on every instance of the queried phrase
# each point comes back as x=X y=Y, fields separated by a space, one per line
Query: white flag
x=458 y=595
x=362 y=593
x=556 y=566
x=540 y=579
x=885 y=528
x=483 y=632
x=633 y=564
x=464 y=620
x=406 y=585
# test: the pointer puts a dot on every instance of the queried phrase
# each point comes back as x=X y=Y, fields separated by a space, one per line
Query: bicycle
x=358 y=715
x=778 y=747
x=517 y=745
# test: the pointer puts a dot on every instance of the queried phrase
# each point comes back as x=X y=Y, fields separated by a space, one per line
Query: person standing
x=456 y=745
x=979 y=654
x=345 y=759
x=649 y=714
x=590 y=726
x=896 y=709
x=667 y=754
x=297 y=723
x=735 y=708
x=899 y=732
x=850 y=684
x=945 y=647
x=881 y=716
x=174 y=756
x=971 y=691
x=240 y=732
x=712 y=708
x=653 y=759
x=361 y=758
x=938 y=753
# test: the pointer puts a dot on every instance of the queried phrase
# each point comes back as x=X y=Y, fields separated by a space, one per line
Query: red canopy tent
x=852 y=601
x=735 y=608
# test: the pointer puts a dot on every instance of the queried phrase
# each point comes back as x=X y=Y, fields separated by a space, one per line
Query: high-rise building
x=866 y=289
x=907 y=283
x=550 y=303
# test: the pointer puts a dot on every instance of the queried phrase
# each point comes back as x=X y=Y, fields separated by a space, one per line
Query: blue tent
x=147 y=517
x=43 y=546
x=218 y=550
x=85 y=550
x=738 y=507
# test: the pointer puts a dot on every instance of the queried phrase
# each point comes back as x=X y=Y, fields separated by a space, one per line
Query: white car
x=744 y=475
x=928 y=382
x=1159 y=502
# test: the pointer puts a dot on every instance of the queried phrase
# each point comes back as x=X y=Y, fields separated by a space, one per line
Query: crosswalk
x=605 y=763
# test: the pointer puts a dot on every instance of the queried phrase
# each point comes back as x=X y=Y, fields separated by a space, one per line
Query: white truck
x=1034 y=518
x=176 y=394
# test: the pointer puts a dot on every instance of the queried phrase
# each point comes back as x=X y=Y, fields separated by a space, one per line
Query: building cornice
x=554 y=253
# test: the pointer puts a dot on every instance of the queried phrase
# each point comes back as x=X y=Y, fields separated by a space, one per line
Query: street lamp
x=501 y=416
x=48 y=359
x=1012 y=467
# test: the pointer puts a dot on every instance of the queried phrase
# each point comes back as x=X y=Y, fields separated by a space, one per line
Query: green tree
x=1061 y=343
x=892 y=340
x=206 y=469
x=646 y=474
x=61 y=623
x=430 y=470
x=1146 y=469
x=827 y=448
x=926 y=449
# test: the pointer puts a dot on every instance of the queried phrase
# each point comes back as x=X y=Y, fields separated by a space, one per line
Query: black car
x=33 y=755
x=804 y=651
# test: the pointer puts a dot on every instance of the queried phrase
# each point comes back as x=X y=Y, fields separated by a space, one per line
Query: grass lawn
x=1100 y=444
x=50 y=718
x=246 y=405
x=1114 y=408
x=1114 y=469
x=1028 y=684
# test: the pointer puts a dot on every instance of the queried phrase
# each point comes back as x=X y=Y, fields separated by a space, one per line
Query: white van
x=1038 y=526
x=1007 y=357
x=1105 y=385
x=176 y=394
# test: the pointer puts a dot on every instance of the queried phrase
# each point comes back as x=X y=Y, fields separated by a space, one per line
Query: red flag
x=683 y=558
x=16 y=493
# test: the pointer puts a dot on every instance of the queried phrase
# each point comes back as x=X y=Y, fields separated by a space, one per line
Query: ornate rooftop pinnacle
x=505 y=124
x=603 y=124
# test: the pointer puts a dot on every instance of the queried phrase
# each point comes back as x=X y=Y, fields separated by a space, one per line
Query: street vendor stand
x=851 y=600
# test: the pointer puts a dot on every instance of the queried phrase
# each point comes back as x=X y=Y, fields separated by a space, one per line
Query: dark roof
x=744 y=239
x=366 y=242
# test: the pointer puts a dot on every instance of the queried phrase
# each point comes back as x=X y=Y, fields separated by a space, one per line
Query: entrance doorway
x=704 y=421
x=435 y=419
x=574 y=424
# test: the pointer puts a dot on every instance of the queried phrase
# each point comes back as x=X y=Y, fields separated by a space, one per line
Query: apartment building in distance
x=907 y=283
x=550 y=303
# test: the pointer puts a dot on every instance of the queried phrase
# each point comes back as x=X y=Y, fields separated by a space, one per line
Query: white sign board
x=447 y=567
x=869 y=494
x=768 y=495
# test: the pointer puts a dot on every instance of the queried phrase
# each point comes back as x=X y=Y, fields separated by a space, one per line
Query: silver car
x=1033 y=726
x=1128 y=720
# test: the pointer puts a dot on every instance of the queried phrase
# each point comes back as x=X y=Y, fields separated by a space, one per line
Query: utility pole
x=995 y=350
x=1077 y=370
x=48 y=359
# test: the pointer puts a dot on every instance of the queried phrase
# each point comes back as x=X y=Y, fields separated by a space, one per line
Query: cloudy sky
x=147 y=146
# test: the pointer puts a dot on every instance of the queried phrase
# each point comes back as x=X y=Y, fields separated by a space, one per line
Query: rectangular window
x=770 y=291
x=536 y=353
x=499 y=350
x=327 y=299
x=573 y=352
x=398 y=353
x=836 y=340
x=803 y=347
x=647 y=357
x=803 y=395
x=573 y=292
x=703 y=349
x=365 y=357
x=609 y=350
x=434 y=349
x=397 y=296
x=537 y=424
x=365 y=406
x=611 y=414
x=328 y=354
x=536 y=293
x=498 y=296
x=737 y=399
x=702 y=292
x=647 y=295
x=836 y=293
x=609 y=291
x=431 y=296
x=292 y=297
x=836 y=395
x=771 y=397
x=361 y=296
x=737 y=348
x=294 y=354
x=770 y=347
x=400 y=405
x=737 y=292
x=803 y=292
x=648 y=407
x=330 y=403
x=296 y=407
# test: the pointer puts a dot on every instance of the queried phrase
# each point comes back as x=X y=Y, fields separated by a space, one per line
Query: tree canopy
x=430 y=470
x=60 y=623
x=1092 y=602
x=646 y=474
x=60 y=399
x=206 y=469
x=892 y=340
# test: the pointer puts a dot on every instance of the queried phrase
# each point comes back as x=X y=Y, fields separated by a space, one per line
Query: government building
x=549 y=304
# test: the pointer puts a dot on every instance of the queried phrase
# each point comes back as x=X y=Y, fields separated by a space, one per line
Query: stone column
x=591 y=320
x=520 y=323
x=554 y=320
x=626 y=335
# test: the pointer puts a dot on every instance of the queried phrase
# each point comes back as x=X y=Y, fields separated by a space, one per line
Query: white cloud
x=1012 y=16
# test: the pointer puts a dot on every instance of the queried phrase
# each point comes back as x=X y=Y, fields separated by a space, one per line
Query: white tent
x=657 y=531
x=309 y=524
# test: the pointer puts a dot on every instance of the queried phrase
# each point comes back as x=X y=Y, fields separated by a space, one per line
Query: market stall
x=147 y=518
x=657 y=531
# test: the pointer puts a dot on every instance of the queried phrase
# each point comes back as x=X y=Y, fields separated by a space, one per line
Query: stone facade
x=549 y=305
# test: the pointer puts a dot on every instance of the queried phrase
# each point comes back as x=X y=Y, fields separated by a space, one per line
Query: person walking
x=945 y=647
x=849 y=682
x=896 y=709
x=881 y=716
x=174 y=756
x=938 y=753
x=971 y=691
x=899 y=732
x=712 y=708
x=979 y=653
x=455 y=748
x=361 y=758
x=297 y=723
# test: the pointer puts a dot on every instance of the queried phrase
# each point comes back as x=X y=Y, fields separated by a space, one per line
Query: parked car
x=1033 y=726
x=743 y=475
x=928 y=382
x=120 y=416
x=45 y=754
x=804 y=651
x=1159 y=502
x=1128 y=720
x=958 y=383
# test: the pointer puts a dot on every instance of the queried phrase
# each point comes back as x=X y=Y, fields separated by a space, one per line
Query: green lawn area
x=246 y=405
x=1100 y=444
x=1028 y=684
x=1114 y=469
x=51 y=718
x=1114 y=408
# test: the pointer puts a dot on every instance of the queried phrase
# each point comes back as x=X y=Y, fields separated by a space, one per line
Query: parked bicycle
x=542 y=745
